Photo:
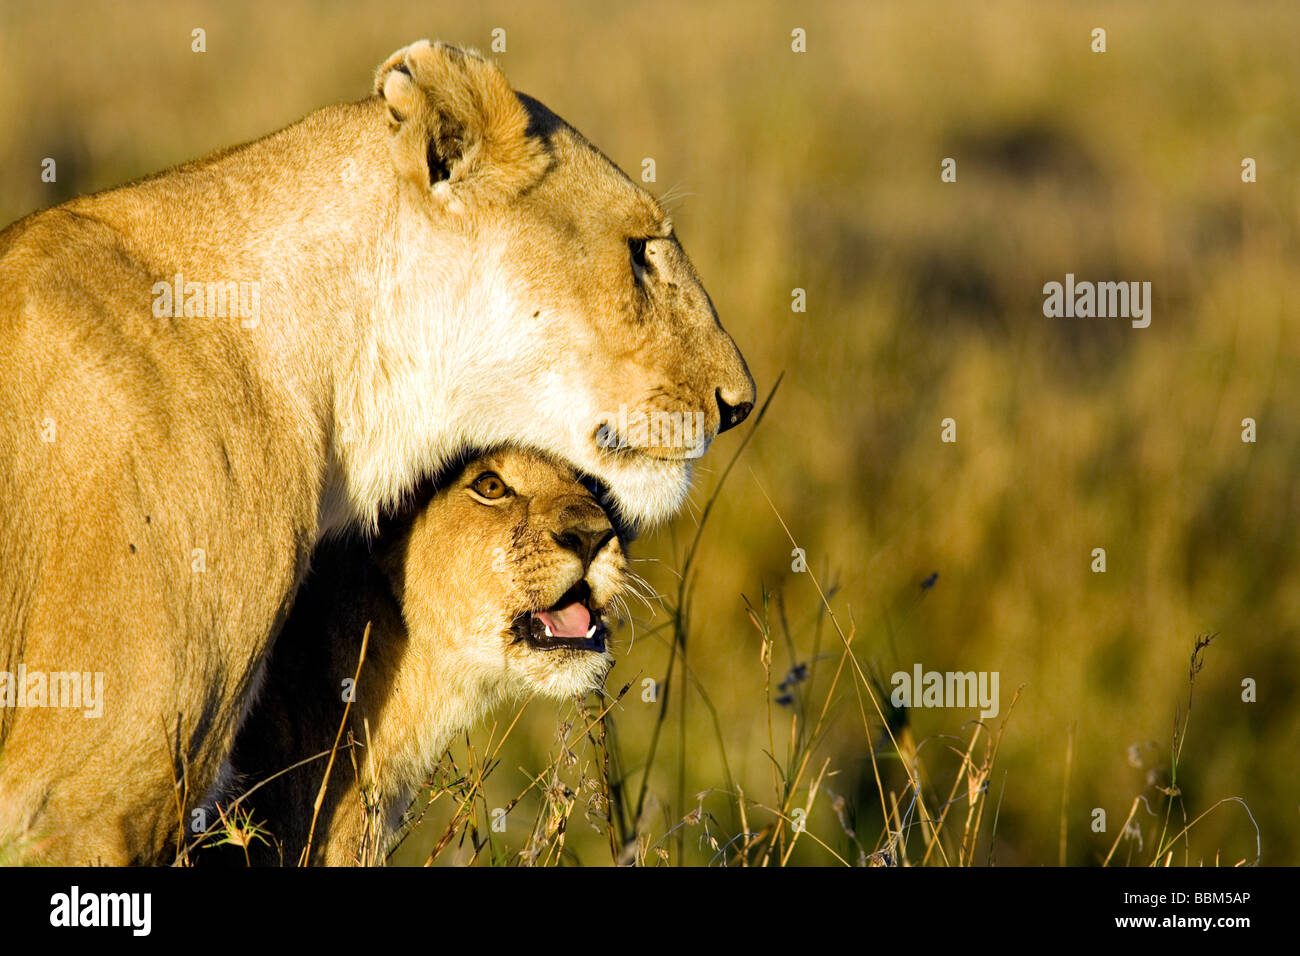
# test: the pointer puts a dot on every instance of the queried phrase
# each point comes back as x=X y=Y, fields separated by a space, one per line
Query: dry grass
x=930 y=812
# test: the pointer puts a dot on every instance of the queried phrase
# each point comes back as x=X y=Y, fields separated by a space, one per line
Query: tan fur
x=439 y=592
x=164 y=478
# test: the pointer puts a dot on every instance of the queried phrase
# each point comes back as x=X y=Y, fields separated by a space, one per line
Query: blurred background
x=821 y=171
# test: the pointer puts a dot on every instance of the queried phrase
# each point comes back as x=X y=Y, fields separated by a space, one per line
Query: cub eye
x=489 y=485
x=637 y=249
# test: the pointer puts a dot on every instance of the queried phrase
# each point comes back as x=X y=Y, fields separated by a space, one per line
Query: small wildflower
x=795 y=675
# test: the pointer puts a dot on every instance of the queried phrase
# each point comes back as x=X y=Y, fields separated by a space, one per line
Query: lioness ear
x=457 y=129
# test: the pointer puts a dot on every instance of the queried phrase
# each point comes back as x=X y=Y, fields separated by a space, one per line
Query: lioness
x=494 y=590
x=206 y=372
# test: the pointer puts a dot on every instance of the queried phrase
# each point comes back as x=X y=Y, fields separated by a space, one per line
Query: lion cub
x=493 y=590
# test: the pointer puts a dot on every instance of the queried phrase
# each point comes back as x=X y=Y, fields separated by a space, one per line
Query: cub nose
x=585 y=538
x=729 y=416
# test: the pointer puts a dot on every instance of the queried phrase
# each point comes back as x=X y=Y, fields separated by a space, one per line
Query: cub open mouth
x=571 y=622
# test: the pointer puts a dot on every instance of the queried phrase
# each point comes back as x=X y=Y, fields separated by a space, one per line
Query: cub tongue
x=572 y=620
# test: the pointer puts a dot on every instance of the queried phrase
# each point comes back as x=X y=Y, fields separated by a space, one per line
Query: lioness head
x=506 y=577
x=560 y=310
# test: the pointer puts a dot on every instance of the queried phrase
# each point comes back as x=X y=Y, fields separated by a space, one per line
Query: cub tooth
x=590 y=631
x=547 y=628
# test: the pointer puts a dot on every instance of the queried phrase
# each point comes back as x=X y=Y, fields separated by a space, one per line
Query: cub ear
x=457 y=129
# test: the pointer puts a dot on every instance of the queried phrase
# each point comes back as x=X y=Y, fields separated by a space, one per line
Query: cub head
x=551 y=301
x=509 y=573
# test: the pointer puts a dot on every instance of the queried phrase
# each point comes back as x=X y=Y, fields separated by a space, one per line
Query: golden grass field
x=821 y=171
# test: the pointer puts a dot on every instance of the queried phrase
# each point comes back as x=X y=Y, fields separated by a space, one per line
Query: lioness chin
x=444 y=265
x=495 y=590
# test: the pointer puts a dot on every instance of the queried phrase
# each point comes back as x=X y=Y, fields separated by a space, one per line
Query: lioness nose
x=729 y=416
x=585 y=540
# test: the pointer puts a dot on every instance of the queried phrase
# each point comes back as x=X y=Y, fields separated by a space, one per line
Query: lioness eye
x=637 y=248
x=489 y=485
